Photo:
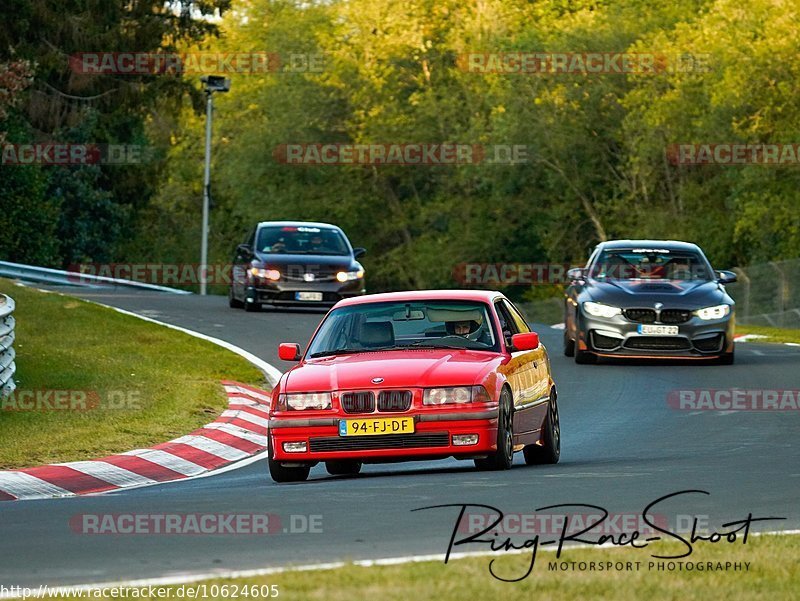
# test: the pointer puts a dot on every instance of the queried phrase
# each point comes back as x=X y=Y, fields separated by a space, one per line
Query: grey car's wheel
x=504 y=456
x=550 y=450
x=233 y=302
x=569 y=345
x=726 y=359
x=343 y=467
x=251 y=307
x=585 y=357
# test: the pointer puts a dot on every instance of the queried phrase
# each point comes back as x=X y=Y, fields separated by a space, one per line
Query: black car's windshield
x=404 y=325
x=301 y=240
x=650 y=264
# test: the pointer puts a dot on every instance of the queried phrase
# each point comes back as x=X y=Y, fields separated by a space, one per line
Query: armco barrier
x=46 y=275
x=7 y=355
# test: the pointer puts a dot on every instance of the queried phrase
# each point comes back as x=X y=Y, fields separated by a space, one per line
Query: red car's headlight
x=301 y=402
x=455 y=395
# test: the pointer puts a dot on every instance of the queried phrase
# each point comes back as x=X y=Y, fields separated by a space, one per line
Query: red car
x=409 y=376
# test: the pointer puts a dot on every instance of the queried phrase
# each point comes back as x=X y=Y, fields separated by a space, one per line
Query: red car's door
x=527 y=374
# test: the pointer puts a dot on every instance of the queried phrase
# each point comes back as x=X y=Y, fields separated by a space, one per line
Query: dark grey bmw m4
x=648 y=298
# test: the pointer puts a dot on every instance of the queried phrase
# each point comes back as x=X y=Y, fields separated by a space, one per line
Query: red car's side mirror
x=289 y=351
x=525 y=342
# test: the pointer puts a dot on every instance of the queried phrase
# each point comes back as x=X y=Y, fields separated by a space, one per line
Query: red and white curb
x=238 y=433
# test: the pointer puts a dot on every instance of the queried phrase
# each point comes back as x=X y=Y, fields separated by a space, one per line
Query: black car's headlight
x=265 y=274
x=715 y=312
x=346 y=276
x=600 y=310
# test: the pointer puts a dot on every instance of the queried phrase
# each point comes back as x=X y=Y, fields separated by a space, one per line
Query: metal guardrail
x=45 y=275
x=7 y=354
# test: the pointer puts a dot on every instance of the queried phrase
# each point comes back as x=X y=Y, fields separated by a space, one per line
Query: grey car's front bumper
x=619 y=336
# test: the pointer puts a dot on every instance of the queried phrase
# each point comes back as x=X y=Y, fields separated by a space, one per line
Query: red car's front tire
x=504 y=456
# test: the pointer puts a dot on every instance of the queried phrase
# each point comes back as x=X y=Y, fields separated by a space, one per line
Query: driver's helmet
x=466 y=328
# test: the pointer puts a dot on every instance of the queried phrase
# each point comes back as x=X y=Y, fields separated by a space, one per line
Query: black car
x=648 y=298
x=295 y=263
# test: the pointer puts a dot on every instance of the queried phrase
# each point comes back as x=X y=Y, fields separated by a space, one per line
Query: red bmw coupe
x=408 y=376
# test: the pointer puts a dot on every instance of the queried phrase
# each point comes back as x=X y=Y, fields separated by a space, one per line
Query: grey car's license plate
x=647 y=329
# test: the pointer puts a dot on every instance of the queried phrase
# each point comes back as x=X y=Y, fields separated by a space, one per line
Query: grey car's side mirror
x=726 y=277
x=359 y=252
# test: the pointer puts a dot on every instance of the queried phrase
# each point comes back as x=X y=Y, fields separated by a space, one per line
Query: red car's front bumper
x=432 y=438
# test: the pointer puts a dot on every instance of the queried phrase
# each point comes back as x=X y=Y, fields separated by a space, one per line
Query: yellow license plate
x=376 y=426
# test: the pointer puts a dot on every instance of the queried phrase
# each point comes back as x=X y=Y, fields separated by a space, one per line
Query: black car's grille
x=640 y=315
x=675 y=316
x=319 y=273
x=658 y=343
x=709 y=345
x=604 y=343
x=394 y=400
x=358 y=402
x=389 y=441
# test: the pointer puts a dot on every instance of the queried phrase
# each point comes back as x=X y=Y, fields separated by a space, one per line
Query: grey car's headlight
x=455 y=394
x=301 y=402
x=600 y=310
x=715 y=312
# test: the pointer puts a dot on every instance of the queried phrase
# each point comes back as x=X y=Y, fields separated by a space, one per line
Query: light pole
x=214 y=83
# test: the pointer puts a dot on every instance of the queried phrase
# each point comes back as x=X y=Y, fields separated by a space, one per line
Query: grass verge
x=771 y=334
x=773 y=574
x=150 y=383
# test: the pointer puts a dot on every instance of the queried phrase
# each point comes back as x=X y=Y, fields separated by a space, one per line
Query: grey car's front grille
x=658 y=343
x=675 y=316
x=671 y=316
x=640 y=315
x=712 y=344
x=605 y=343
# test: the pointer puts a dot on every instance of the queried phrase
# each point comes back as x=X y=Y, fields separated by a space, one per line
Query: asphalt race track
x=622 y=447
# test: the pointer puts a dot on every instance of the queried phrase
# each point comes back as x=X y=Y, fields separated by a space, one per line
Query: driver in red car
x=468 y=328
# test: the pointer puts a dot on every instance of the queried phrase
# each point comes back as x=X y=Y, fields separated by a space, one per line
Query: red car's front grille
x=358 y=402
x=394 y=400
x=389 y=441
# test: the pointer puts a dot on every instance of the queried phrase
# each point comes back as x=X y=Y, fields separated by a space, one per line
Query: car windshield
x=301 y=240
x=650 y=264
x=402 y=325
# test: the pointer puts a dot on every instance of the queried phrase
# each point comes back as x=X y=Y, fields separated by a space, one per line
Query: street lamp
x=214 y=83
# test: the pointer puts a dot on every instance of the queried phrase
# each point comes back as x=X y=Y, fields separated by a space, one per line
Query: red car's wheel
x=281 y=473
x=343 y=467
x=550 y=451
x=504 y=456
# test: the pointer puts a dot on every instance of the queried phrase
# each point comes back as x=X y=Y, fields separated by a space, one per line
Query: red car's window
x=402 y=325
